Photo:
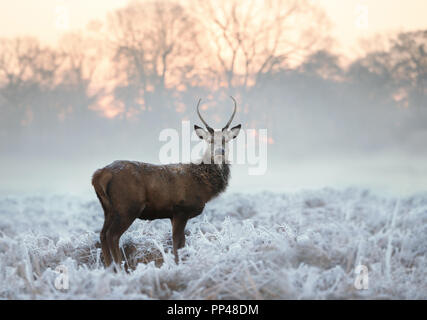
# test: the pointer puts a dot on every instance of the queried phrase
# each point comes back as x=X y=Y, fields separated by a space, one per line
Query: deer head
x=217 y=139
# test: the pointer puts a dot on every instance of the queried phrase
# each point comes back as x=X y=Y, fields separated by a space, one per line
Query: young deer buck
x=129 y=190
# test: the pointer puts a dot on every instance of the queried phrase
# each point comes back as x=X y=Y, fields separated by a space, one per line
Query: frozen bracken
x=303 y=245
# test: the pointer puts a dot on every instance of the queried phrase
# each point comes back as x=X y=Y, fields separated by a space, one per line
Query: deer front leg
x=178 y=237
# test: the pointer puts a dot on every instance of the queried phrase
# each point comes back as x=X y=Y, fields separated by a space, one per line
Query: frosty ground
x=303 y=245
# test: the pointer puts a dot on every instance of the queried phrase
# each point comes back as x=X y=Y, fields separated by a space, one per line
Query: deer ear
x=201 y=133
x=234 y=132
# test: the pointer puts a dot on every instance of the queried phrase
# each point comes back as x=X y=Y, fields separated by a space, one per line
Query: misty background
x=105 y=92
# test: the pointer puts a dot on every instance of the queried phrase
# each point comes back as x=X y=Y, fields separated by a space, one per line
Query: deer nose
x=219 y=152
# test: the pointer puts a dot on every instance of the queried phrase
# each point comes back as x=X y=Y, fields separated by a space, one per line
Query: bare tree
x=409 y=54
x=25 y=60
x=83 y=56
x=155 y=45
x=27 y=70
x=401 y=67
x=251 y=38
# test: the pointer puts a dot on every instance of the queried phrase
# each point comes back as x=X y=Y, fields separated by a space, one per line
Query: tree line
x=146 y=65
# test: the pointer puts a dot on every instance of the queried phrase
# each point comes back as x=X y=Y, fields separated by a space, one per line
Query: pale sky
x=351 y=19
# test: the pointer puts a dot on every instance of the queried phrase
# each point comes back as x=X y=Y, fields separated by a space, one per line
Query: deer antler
x=200 y=116
x=232 y=116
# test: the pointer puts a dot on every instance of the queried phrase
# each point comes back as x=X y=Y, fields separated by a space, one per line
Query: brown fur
x=129 y=190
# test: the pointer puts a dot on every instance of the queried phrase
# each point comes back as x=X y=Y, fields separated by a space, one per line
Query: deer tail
x=100 y=181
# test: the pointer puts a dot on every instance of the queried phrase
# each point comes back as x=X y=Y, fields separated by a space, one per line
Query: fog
x=106 y=93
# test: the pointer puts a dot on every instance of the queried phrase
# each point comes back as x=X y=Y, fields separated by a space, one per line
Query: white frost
x=304 y=245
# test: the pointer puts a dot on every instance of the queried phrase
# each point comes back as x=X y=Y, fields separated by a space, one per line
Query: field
x=302 y=245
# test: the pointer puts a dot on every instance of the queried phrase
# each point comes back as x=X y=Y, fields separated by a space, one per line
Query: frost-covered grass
x=304 y=245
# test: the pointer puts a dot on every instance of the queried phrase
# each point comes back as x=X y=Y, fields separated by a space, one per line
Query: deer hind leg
x=117 y=228
x=119 y=224
x=100 y=181
x=104 y=243
x=178 y=236
x=103 y=236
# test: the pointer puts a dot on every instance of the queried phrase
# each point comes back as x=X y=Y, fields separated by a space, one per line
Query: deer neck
x=214 y=176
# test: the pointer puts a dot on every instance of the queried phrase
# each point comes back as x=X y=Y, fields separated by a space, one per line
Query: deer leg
x=103 y=236
x=178 y=236
x=118 y=226
x=104 y=243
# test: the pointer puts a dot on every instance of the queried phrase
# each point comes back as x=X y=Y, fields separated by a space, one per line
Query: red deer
x=129 y=190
